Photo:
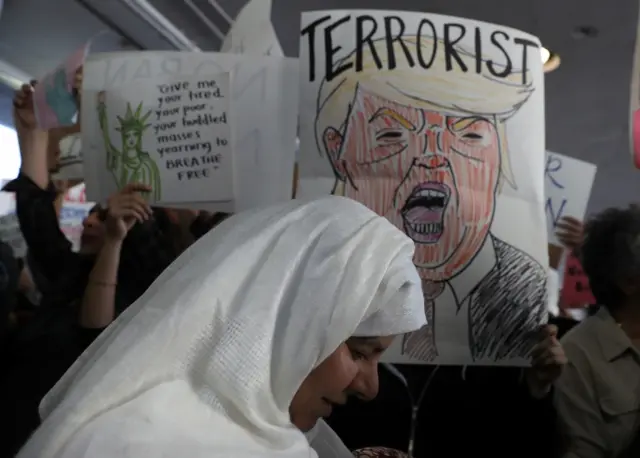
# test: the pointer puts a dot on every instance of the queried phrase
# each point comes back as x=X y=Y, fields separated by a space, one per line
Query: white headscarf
x=207 y=361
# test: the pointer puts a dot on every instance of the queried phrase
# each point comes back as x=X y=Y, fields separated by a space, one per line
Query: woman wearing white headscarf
x=244 y=342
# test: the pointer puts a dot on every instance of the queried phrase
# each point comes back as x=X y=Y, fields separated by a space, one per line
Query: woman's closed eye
x=358 y=355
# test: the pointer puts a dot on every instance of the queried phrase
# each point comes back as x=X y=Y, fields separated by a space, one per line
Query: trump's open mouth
x=423 y=212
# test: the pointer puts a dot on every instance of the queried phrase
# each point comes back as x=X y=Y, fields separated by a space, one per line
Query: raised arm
x=98 y=308
x=34 y=142
x=112 y=153
x=36 y=195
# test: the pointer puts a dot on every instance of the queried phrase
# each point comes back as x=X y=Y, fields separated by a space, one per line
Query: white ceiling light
x=550 y=60
x=545 y=54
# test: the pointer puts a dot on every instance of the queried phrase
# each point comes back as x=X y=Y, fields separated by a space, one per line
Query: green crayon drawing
x=130 y=164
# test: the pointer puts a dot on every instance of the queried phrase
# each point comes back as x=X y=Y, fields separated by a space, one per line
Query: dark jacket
x=479 y=411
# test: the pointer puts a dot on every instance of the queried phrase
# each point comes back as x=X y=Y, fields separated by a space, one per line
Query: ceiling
x=587 y=98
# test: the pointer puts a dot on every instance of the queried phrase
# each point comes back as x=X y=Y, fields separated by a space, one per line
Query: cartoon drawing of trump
x=428 y=150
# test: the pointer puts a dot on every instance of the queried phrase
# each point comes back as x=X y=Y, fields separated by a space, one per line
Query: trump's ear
x=332 y=140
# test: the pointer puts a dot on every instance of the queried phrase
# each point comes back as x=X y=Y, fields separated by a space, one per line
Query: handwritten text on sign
x=187 y=134
x=185 y=128
x=568 y=183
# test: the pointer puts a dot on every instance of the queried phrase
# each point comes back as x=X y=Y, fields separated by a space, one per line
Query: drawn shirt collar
x=466 y=281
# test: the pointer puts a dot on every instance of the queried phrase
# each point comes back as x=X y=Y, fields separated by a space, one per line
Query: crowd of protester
x=579 y=399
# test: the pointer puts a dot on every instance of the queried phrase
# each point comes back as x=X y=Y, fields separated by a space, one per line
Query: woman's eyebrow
x=372 y=342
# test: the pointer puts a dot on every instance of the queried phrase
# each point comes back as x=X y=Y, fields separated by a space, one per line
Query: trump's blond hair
x=435 y=89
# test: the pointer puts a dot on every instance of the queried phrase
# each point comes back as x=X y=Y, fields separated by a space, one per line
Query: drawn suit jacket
x=504 y=307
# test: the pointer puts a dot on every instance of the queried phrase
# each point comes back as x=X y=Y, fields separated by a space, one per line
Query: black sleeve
x=48 y=246
x=9 y=276
x=543 y=429
x=86 y=336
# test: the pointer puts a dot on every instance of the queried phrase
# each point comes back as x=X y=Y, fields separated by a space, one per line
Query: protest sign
x=252 y=32
x=72 y=216
x=174 y=137
x=261 y=120
x=567 y=187
x=576 y=292
x=437 y=123
x=53 y=100
x=70 y=162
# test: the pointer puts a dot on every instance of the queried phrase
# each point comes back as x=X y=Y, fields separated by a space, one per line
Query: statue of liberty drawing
x=130 y=164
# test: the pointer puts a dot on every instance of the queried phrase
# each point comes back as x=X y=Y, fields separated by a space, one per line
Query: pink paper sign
x=53 y=100
x=576 y=292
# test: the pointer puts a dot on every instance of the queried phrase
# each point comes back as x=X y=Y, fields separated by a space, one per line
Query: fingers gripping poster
x=437 y=123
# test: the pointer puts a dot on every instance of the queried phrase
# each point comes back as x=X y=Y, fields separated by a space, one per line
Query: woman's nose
x=366 y=383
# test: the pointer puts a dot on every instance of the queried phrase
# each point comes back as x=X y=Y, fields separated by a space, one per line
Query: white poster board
x=262 y=118
x=252 y=32
x=567 y=188
x=71 y=217
x=174 y=136
x=10 y=234
x=75 y=209
x=70 y=162
x=437 y=123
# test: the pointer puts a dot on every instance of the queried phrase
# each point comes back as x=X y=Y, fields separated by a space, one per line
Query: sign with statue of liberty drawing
x=173 y=136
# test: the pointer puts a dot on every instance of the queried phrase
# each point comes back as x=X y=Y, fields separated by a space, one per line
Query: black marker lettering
x=391 y=39
x=490 y=64
x=525 y=44
x=478 y=43
x=423 y=64
x=360 y=41
x=330 y=51
x=449 y=49
x=310 y=30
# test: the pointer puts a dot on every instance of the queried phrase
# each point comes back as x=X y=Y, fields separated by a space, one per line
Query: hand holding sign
x=23 y=114
x=570 y=232
x=125 y=209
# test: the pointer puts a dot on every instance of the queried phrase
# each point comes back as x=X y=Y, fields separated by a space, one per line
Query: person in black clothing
x=461 y=411
x=10 y=269
x=43 y=350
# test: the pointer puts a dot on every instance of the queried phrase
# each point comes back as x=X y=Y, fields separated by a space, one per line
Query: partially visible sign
x=53 y=100
x=576 y=292
x=567 y=187
x=71 y=217
x=634 y=117
x=75 y=209
x=70 y=162
x=253 y=33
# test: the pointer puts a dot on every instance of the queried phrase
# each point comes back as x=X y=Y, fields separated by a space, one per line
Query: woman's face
x=351 y=370
x=93 y=231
